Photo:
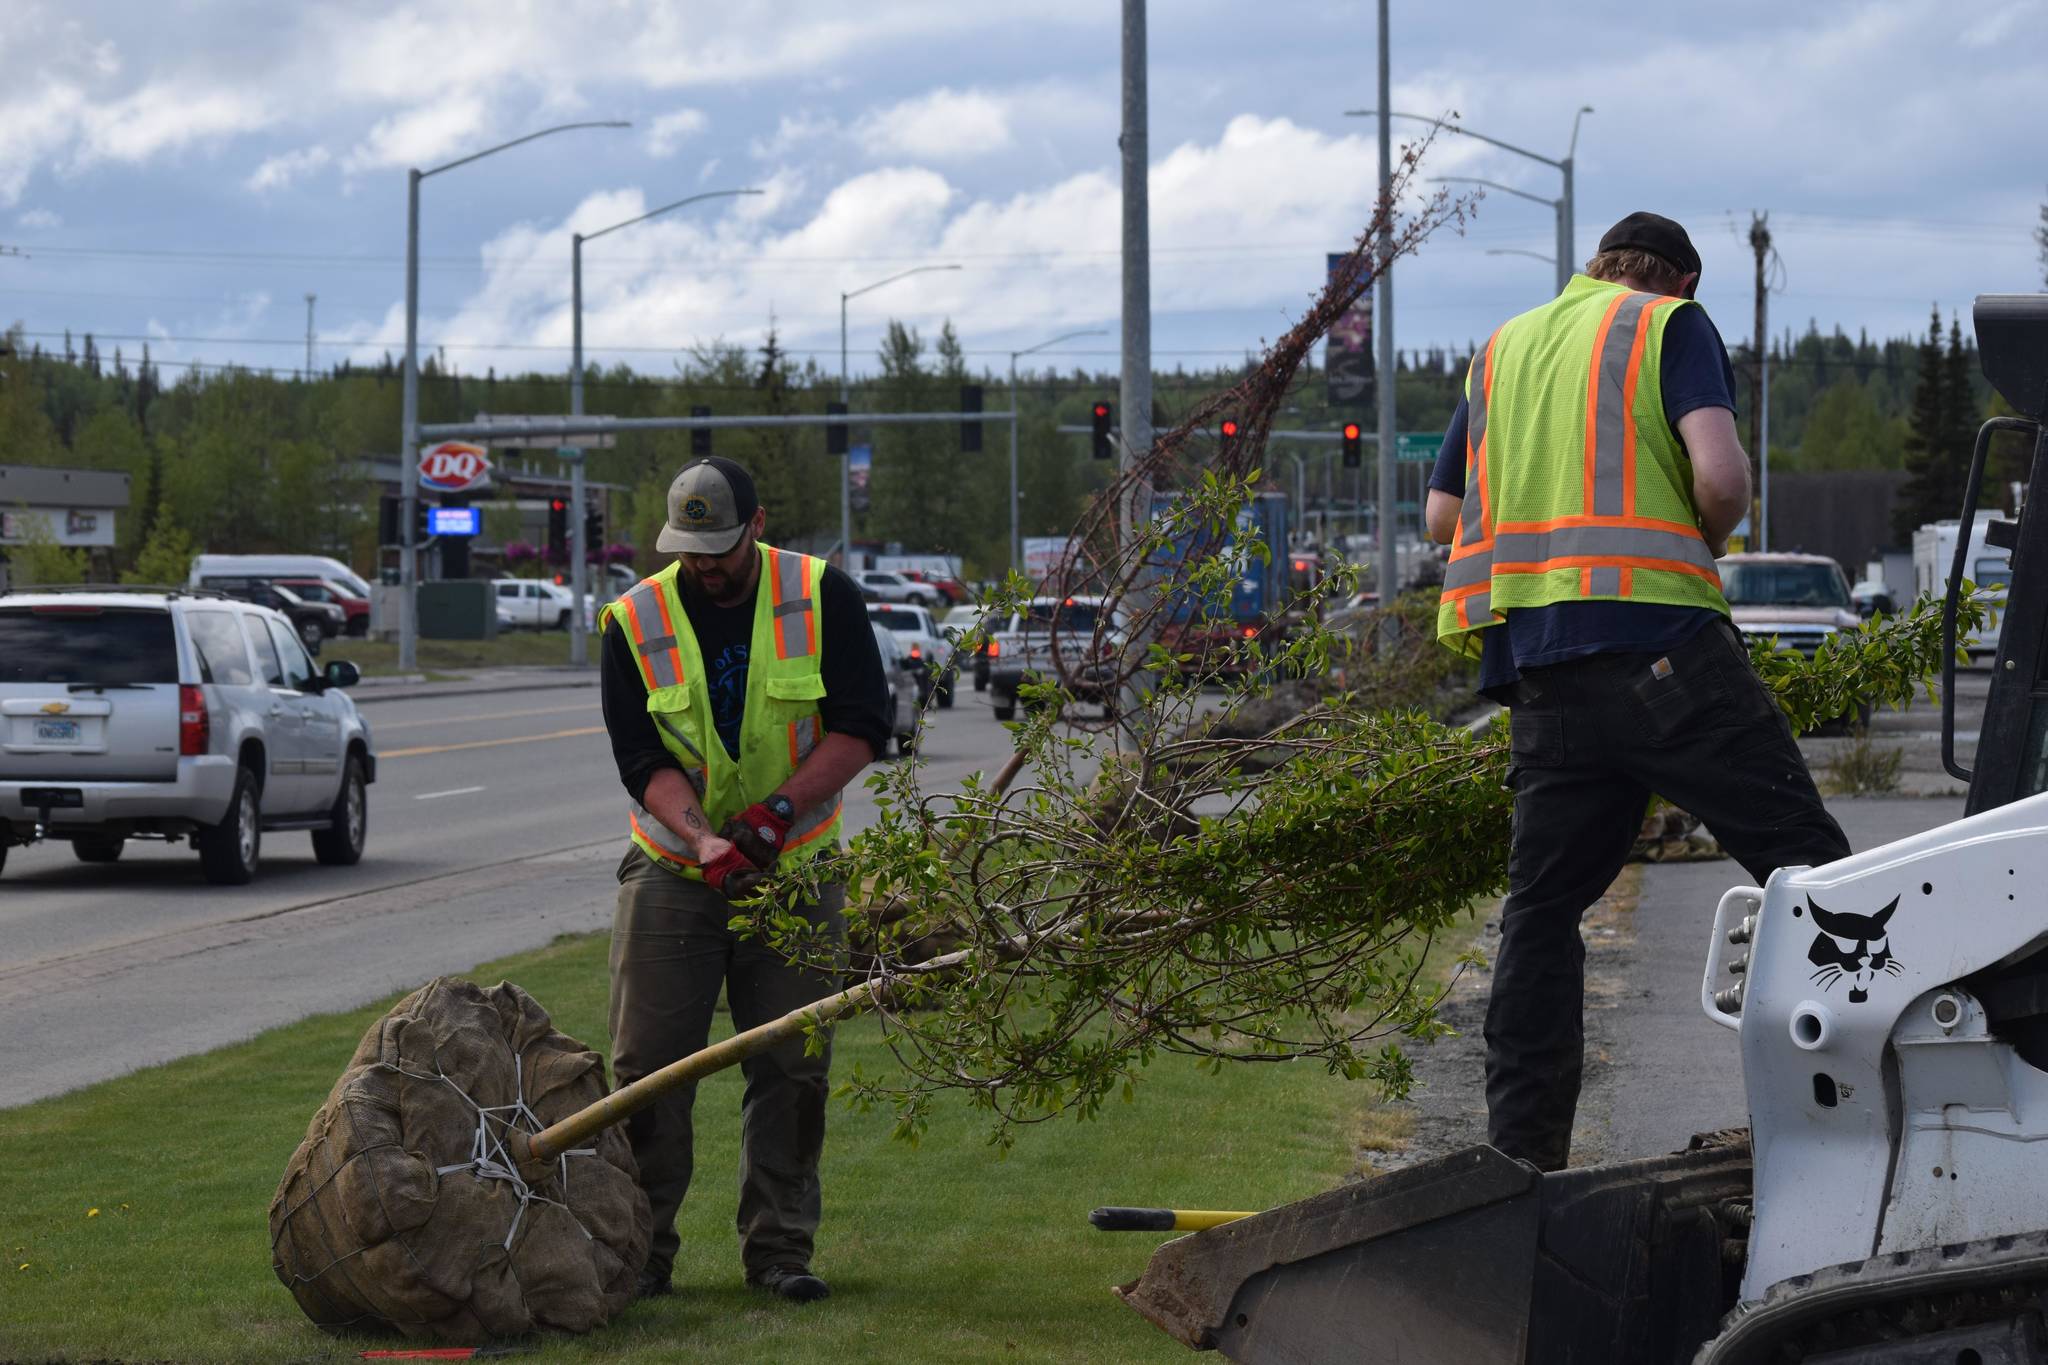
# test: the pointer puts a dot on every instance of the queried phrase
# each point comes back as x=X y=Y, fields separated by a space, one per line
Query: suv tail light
x=195 y=729
x=995 y=647
x=916 y=652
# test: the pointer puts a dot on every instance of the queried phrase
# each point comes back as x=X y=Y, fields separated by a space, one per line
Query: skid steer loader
x=1888 y=1203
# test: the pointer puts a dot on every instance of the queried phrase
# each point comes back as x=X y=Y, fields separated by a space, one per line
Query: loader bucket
x=1469 y=1258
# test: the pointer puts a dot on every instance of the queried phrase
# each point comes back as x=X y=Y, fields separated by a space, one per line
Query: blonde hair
x=1642 y=267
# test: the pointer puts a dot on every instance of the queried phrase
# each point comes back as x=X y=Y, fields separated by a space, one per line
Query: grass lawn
x=940 y=1253
x=442 y=656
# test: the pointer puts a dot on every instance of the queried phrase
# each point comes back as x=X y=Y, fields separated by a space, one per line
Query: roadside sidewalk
x=411 y=686
x=1657 y=1070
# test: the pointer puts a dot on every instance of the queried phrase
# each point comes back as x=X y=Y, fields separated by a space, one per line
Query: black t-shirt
x=856 y=702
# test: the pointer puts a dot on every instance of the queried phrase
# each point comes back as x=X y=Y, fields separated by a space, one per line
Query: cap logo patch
x=696 y=509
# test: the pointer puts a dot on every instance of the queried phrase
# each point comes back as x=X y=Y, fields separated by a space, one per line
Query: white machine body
x=1884 y=1114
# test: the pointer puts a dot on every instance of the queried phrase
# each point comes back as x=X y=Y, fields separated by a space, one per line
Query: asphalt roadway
x=496 y=824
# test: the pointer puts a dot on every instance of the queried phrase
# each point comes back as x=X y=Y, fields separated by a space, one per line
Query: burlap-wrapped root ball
x=402 y=1207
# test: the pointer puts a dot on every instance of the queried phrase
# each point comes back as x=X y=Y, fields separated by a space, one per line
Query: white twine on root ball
x=488 y=1157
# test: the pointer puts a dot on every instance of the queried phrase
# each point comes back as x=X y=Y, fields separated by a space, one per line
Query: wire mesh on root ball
x=407 y=1208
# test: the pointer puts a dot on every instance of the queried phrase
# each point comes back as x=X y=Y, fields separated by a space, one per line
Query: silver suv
x=174 y=714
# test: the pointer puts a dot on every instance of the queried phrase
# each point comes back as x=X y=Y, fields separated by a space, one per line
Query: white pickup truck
x=532 y=604
x=1072 y=641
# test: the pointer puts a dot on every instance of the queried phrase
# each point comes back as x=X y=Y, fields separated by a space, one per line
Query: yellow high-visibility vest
x=781 y=724
x=1576 y=486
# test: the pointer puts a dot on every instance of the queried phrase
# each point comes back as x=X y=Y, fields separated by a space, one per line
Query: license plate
x=56 y=731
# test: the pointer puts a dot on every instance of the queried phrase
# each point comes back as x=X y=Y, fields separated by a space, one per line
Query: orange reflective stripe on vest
x=654 y=635
x=789 y=589
x=1611 y=403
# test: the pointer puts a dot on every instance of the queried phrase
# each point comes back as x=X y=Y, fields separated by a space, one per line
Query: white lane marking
x=452 y=791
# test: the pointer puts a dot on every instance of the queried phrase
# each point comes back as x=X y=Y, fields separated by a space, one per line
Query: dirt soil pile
x=404 y=1207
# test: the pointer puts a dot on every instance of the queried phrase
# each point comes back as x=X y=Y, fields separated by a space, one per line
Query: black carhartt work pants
x=1592 y=739
x=671 y=952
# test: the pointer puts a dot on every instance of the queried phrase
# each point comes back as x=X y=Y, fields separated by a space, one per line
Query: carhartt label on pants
x=1661 y=669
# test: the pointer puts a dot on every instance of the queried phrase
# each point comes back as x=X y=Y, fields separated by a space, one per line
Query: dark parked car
x=355 y=610
x=314 y=621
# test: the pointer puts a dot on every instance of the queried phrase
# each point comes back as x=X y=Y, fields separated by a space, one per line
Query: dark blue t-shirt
x=1694 y=373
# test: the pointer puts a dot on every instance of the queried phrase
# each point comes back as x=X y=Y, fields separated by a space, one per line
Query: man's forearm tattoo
x=693 y=820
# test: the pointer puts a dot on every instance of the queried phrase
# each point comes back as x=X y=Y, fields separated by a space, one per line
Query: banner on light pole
x=1347 y=352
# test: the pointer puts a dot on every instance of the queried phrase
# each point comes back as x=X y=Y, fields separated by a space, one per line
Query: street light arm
x=1464 y=132
x=1572 y=151
x=1091 y=332
x=656 y=213
x=1517 y=251
x=1496 y=185
x=914 y=270
x=488 y=151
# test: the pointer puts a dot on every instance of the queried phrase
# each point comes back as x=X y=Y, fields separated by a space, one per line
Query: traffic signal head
x=1226 y=437
x=1099 y=430
x=558 y=524
x=835 y=432
x=970 y=432
x=1229 y=428
x=700 y=437
x=1353 y=456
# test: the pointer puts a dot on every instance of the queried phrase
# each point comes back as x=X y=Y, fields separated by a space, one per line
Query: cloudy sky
x=189 y=171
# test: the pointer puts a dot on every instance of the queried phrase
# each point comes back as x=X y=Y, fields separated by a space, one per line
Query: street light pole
x=846 y=461
x=1016 y=535
x=579 y=548
x=1566 y=225
x=1561 y=230
x=409 y=406
x=1389 y=569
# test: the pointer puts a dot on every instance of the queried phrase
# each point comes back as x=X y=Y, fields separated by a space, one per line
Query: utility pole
x=1135 y=394
x=1760 y=411
x=309 y=336
x=1383 y=281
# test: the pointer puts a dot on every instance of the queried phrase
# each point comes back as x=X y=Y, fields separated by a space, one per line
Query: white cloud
x=941 y=125
x=281 y=170
x=420 y=136
x=1033 y=262
x=36 y=219
x=167 y=115
x=670 y=131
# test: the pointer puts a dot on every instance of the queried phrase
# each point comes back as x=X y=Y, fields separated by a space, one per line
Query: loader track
x=1979 y=1301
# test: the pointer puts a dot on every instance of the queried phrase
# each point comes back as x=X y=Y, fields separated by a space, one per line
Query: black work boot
x=793 y=1282
x=652 y=1284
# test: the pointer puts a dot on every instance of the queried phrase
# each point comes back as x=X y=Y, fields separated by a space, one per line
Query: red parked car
x=953 y=588
x=355 y=609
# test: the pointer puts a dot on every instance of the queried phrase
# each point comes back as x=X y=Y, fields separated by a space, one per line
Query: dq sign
x=454 y=467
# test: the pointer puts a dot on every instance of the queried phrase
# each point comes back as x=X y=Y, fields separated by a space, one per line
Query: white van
x=277 y=566
x=1988 y=566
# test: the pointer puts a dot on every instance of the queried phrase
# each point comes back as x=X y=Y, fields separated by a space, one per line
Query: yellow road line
x=490 y=743
x=379 y=727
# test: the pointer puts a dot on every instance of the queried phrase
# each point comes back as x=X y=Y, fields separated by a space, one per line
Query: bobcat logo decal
x=1852 y=946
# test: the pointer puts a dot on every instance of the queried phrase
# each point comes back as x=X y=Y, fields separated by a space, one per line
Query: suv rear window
x=895 y=619
x=66 y=644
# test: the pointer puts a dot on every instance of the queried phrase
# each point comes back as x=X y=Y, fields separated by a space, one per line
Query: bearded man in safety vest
x=742 y=691
x=1588 y=482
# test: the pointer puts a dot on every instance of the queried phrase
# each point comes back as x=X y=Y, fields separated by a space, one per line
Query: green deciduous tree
x=165 y=556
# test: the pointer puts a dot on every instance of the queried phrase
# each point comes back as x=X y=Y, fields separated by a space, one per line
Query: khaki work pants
x=671 y=952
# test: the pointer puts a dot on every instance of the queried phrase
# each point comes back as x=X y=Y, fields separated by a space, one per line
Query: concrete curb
x=431 y=690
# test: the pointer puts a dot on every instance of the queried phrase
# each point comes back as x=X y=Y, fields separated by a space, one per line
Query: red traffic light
x=1351 y=431
x=558 y=505
x=1229 y=426
x=1102 y=409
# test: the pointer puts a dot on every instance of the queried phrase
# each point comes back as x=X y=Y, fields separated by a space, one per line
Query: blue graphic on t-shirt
x=729 y=695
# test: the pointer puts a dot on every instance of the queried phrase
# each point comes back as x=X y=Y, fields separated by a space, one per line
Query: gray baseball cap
x=709 y=506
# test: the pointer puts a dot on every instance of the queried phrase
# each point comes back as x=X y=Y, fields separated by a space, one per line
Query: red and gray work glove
x=761 y=830
x=732 y=875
